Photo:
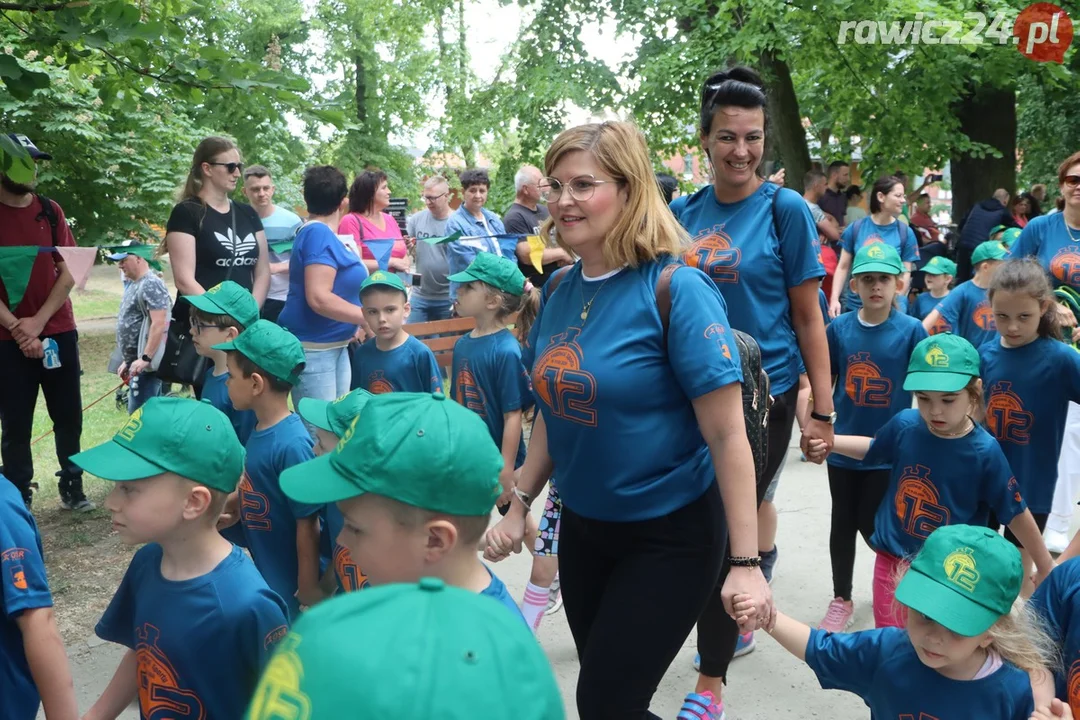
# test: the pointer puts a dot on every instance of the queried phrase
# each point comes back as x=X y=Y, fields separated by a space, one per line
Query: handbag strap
x=232 y=222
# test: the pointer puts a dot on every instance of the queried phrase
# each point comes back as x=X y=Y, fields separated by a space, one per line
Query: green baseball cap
x=1009 y=236
x=381 y=278
x=877 y=258
x=990 y=250
x=498 y=272
x=193 y=439
x=996 y=229
x=406 y=651
x=964 y=579
x=271 y=347
x=334 y=416
x=419 y=449
x=230 y=299
x=942 y=363
x=940 y=265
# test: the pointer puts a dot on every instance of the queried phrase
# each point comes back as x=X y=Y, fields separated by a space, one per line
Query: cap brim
x=462 y=277
x=877 y=267
x=117 y=257
x=112 y=461
x=947 y=608
x=226 y=346
x=316 y=482
x=202 y=302
x=935 y=271
x=936 y=381
x=314 y=411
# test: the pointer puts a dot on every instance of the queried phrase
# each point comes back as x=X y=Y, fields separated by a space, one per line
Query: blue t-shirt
x=924 y=303
x=316 y=244
x=870 y=364
x=1047 y=238
x=349 y=577
x=489 y=378
x=617 y=405
x=217 y=393
x=738 y=246
x=882 y=667
x=937 y=481
x=23 y=586
x=202 y=643
x=865 y=232
x=1057 y=602
x=496 y=590
x=823 y=302
x=1025 y=414
x=967 y=309
x=268 y=516
x=410 y=367
x=460 y=253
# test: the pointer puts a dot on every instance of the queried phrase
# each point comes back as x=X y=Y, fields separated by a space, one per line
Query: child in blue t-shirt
x=1029 y=378
x=938 y=275
x=946 y=469
x=415 y=479
x=41 y=676
x=967 y=308
x=393 y=360
x=1057 y=603
x=265 y=362
x=966 y=648
x=869 y=351
x=198 y=619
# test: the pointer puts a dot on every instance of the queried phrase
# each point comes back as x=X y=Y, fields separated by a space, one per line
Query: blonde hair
x=646 y=229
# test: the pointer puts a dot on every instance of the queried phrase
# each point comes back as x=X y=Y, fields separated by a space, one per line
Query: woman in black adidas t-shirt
x=211 y=239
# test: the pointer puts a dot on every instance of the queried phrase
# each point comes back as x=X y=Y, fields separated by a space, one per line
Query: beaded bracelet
x=750 y=562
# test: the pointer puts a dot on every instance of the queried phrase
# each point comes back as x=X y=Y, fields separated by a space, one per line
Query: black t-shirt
x=520 y=219
x=216 y=249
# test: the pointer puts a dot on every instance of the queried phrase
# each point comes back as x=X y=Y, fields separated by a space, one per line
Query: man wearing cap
x=146 y=301
x=43 y=316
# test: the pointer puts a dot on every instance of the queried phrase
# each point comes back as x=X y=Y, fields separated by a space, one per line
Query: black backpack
x=48 y=213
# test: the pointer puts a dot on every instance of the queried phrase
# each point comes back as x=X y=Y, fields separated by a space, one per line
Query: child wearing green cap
x=967 y=308
x=869 y=351
x=393 y=360
x=198 y=619
x=938 y=275
x=331 y=421
x=265 y=362
x=967 y=648
x=946 y=469
x=416 y=478
x=408 y=651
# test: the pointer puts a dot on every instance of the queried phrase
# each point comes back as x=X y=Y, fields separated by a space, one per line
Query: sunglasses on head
x=230 y=167
x=1071 y=181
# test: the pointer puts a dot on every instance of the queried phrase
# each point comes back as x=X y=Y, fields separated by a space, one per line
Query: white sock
x=533 y=605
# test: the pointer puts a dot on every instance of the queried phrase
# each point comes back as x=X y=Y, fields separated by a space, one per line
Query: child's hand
x=1056 y=711
x=816 y=450
x=744 y=608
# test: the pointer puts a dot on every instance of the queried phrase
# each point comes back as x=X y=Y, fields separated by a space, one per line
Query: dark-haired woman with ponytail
x=758 y=243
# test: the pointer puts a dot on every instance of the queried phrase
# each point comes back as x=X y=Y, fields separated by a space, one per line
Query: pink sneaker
x=839 y=616
x=702 y=706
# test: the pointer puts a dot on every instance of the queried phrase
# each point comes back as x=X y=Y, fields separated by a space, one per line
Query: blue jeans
x=326 y=376
x=143 y=386
x=427 y=310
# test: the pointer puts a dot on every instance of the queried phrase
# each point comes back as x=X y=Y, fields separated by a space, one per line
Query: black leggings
x=612 y=573
x=856 y=497
x=716 y=630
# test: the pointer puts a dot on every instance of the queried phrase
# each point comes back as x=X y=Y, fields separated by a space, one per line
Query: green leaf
x=16 y=162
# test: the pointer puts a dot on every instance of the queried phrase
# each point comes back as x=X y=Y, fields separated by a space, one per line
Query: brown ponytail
x=207 y=150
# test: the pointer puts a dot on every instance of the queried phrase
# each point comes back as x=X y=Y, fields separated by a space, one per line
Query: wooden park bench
x=440 y=336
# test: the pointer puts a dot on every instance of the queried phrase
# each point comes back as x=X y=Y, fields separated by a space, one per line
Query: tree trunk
x=987 y=115
x=361 y=89
x=788 y=136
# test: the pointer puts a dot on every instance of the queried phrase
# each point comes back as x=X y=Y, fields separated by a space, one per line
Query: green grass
x=94 y=303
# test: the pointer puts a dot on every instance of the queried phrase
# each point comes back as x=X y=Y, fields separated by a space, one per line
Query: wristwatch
x=146 y=358
x=830 y=418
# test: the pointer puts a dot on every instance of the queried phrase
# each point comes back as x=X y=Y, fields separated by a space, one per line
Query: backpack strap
x=663 y=297
x=48 y=213
x=554 y=280
x=855 y=229
x=775 y=213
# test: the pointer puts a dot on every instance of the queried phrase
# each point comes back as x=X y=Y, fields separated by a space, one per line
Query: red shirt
x=21 y=227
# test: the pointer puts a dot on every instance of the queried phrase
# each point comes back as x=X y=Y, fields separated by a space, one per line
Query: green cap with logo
x=230 y=299
x=496 y=271
x=877 y=258
x=334 y=416
x=942 y=363
x=406 y=651
x=193 y=439
x=964 y=579
x=940 y=265
x=417 y=448
x=996 y=229
x=271 y=347
x=382 y=278
x=1009 y=236
x=990 y=250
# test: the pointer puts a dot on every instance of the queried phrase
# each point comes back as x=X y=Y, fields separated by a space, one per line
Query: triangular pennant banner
x=16 y=263
x=536 y=252
x=282 y=247
x=381 y=250
x=442 y=240
x=80 y=261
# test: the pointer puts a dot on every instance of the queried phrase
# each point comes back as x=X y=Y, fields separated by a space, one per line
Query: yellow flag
x=536 y=252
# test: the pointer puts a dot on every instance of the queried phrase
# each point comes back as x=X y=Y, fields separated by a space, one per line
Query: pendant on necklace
x=584 y=315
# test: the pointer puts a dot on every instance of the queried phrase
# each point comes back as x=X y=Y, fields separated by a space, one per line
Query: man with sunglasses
x=976 y=227
x=430 y=300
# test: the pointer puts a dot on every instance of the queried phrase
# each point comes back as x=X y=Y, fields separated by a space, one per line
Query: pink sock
x=532 y=607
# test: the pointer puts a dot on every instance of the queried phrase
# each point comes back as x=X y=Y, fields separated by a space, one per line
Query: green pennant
x=442 y=240
x=16 y=263
x=282 y=247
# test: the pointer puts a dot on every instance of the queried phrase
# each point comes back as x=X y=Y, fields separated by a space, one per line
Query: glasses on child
x=580 y=188
x=230 y=167
x=198 y=327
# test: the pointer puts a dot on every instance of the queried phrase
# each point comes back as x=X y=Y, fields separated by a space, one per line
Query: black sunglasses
x=230 y=167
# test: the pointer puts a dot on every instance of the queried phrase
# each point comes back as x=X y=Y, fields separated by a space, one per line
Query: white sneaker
x=1056 y=541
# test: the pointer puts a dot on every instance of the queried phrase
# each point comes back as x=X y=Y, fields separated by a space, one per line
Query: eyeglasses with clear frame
x=581 y=188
